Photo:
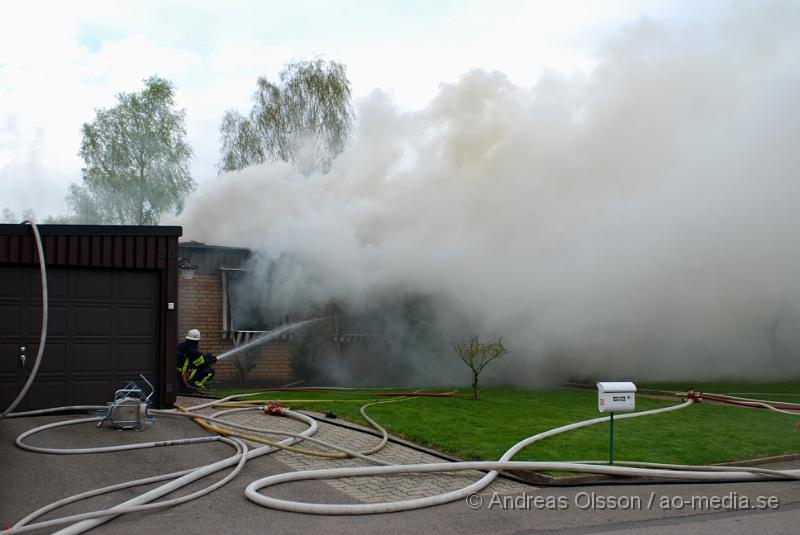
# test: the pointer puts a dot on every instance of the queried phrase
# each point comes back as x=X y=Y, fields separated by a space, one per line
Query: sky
x=60 y=61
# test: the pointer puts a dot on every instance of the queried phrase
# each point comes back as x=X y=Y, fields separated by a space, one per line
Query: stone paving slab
x=363 y=489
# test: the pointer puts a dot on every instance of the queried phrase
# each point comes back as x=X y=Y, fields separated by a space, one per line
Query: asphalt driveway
x=30 y=480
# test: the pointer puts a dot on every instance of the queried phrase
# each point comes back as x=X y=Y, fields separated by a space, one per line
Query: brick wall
x=327 y=327
x=200 y=307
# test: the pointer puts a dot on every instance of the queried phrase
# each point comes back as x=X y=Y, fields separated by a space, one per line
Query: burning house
x=213 y=292
x=122 y=297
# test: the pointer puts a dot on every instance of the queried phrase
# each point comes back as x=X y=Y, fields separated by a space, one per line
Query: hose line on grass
x=781 y=403
x=405 y=505
x=777 y=406
x=630 y=469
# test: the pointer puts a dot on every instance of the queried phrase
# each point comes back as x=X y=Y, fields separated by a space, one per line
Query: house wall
x=200 y=307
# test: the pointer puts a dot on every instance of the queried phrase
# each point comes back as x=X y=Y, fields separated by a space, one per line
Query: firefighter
x=194 y=367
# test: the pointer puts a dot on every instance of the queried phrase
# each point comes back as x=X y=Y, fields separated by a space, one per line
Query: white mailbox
x=616 y=396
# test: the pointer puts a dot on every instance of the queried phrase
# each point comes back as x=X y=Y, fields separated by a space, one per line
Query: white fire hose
x=95 y=518
x=692 y=473
x=43 y=331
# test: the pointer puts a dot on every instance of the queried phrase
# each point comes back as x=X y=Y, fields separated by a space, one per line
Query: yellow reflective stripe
x=199 y=360
x=202 y=381
x=191 y=374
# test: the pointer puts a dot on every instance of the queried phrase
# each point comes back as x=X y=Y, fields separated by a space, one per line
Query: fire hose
x=630 y=469
x=777 y=406
x=340 y=454
x=691 y=473
x=95 y=518
x=185 y=477
x=43 y=331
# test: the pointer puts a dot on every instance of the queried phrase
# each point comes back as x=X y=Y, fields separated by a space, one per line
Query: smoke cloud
x=638 y=221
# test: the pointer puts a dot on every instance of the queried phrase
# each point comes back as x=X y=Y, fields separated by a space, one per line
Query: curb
x=530 y=477
x=567 y=481
x=412 y=445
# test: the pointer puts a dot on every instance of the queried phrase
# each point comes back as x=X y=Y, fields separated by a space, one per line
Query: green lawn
x=484 y=429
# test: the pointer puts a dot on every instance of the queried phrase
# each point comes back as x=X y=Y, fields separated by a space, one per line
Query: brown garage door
x=103 y=331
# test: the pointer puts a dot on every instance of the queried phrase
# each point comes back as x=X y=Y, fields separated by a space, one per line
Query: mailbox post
x=615 y=397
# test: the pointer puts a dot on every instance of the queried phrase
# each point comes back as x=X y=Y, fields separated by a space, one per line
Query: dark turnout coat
x=194 y=367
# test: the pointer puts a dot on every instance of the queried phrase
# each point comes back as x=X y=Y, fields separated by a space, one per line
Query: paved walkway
x=364 y=489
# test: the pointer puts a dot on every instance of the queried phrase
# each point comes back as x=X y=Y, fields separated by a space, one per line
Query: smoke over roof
x=639 y=220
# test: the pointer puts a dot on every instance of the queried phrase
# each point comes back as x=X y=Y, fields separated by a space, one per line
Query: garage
x=112 y=312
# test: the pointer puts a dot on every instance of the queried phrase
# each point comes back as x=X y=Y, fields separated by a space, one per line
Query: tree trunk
x=141 y=190
x=474 y=386
x=141 y=205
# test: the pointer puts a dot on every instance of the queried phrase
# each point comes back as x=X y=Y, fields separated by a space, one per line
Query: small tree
x=477 y=356
x=304 y=119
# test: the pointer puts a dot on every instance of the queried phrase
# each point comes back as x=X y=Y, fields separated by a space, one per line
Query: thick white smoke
x=639 y=221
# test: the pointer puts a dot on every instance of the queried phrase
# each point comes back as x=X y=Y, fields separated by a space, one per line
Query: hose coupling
x=694 y=395
x=274 y=409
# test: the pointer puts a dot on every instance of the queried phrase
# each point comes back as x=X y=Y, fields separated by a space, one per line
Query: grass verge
x=484 y=429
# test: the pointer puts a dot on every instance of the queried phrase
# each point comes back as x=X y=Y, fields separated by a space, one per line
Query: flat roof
x=201 y=245
x=92 y=230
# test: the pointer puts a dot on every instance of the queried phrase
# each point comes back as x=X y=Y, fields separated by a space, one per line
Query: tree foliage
x=84 y=208
x=477 y=356
x=136 y=160
x=9 y=216
x=304 y=119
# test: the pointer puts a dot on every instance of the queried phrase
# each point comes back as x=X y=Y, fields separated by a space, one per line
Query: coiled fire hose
x=181 y=479
x=653 y=470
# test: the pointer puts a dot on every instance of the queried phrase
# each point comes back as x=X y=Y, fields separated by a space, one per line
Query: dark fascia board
x=92 y=230
x=198 y=245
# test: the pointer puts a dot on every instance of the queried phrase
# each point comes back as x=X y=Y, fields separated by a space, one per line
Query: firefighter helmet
x=193 y=334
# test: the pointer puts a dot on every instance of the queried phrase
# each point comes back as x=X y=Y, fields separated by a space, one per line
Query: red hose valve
x=274 y=409
x=695 y=396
